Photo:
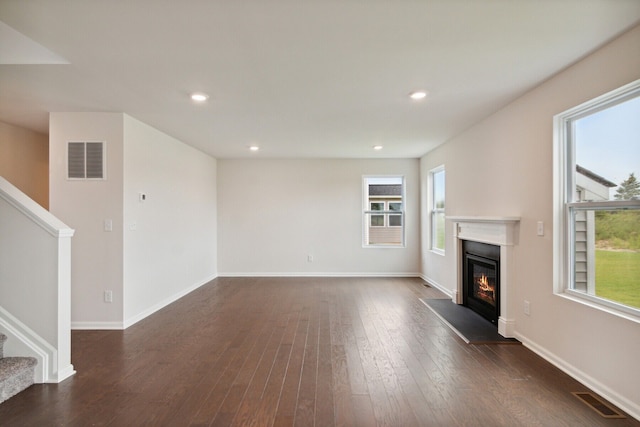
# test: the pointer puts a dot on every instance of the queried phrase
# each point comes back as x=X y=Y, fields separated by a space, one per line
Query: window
x=383 y=213
x=437 y=178
x=85 y=160
x=597 y=201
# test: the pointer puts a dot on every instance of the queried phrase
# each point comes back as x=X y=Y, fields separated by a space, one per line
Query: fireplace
x=481 y=279
x=499 y=231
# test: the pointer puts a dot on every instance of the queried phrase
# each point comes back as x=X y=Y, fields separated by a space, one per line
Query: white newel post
x=500 y=231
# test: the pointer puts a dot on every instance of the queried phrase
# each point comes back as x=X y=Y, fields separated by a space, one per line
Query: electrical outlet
x=540 y=228
x=309 y=258
x=527 y=308
x=108 y=225
x=108 y=296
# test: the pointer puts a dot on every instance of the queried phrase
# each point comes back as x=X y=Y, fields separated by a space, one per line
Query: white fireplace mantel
x=501 y=231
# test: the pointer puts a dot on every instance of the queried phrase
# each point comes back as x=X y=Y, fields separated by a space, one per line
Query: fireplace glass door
x=481 y=285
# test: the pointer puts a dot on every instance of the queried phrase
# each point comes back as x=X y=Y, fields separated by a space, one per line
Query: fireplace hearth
x=481 y=279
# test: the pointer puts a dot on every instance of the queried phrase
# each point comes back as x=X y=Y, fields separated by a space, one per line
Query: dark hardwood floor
x=303 y=352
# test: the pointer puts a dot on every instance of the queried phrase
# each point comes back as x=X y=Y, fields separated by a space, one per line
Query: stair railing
x=35 y=284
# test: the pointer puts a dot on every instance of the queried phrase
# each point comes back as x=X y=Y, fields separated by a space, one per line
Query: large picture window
x=384 y=211
x=597 y=224
x=437 y=204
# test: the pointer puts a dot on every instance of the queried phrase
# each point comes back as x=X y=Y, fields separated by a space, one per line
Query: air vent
x=85 y=160
x=600 y=406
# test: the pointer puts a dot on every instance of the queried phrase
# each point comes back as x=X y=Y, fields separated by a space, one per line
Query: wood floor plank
x=306 y=402
x=301 y=351
x=286 y=409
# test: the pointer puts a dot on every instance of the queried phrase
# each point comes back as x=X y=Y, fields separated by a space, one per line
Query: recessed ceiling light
x=417 y=95
x=199 y=97
x=377 y=147
x=254 y=148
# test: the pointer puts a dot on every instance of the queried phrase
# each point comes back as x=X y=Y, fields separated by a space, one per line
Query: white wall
x=170 y=238
x=503 y=166
x=158 y=250
x=273 y=213
x=96 y=255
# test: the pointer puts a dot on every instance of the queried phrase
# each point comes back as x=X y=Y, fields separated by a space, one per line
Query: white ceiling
x=304 y=78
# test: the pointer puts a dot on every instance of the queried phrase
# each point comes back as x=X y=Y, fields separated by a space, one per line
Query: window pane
x=395 y=206
x=438 y=190
x=607 y=254
x=438 y=230
x=395 y=220
x=437 y=210
x=377 y=206
x=377 y=220
x=607 y=153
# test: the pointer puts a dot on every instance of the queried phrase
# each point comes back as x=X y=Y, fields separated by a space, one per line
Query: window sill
x=606 y=306
x=437 y=252
x=383 y=246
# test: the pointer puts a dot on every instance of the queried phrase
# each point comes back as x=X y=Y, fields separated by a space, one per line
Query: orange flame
x=484 y=284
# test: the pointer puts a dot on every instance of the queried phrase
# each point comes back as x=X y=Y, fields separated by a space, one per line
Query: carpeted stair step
x=16 y=373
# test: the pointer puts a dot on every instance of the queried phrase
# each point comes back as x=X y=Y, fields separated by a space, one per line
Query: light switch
x=108 y=225
x=540 y=229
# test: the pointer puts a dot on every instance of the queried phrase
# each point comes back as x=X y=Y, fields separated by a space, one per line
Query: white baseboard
x=315 y=274
x=62 y=375
x=630 y=407
x=146 y=313
x=437 y=285
x=96 y=326
x=108 y=326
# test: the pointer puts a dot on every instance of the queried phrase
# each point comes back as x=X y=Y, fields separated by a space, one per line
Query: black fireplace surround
x=481 y=279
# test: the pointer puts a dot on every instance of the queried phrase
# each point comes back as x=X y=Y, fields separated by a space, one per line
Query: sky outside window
x=608 y=142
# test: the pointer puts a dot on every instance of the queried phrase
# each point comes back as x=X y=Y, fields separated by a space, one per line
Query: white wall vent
x=86 y=160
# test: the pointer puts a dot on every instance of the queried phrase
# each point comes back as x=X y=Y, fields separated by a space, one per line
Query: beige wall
x=503 y=166
x=273 y=214
x=24 y=161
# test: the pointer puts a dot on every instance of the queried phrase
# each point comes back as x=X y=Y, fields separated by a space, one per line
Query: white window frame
x=366 y=211
x=433 y=210
x=564 y=206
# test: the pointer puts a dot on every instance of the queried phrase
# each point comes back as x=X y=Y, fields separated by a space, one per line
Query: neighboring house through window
x=384 y=211
x=597 y=229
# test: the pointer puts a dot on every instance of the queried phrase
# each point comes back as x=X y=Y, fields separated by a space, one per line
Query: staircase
x=16 y=373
